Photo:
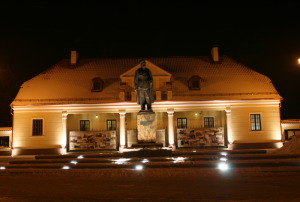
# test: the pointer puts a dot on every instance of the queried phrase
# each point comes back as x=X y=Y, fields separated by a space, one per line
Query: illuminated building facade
x=199 y=101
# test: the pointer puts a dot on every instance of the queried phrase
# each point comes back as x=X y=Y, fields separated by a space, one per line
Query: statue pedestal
x=146 y=126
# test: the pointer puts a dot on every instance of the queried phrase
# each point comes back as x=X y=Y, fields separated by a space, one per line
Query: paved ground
x=252 y=180
x=151 y=185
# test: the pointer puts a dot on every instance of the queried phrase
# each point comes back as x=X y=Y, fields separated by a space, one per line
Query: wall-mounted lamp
x=96 y=116
x=299 y=60
x=196 y=114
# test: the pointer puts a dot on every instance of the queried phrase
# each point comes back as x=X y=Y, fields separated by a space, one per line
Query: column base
x=172 y=146
x=121 y=148
x=63 y=151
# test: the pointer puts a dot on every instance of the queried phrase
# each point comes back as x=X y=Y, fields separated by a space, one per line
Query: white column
x=229 y=129
x=64 y=132
x=171 y=127
x=122 y=130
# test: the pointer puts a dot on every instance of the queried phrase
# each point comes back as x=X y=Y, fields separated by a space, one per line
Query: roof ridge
x=144 y=57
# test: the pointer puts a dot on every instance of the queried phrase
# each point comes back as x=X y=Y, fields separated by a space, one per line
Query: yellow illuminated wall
x=270 y=125
x=52 y=130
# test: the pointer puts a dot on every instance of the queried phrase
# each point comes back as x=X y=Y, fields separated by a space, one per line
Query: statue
x=143 y=86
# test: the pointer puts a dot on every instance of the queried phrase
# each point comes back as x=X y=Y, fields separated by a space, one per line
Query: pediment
x=155 y=70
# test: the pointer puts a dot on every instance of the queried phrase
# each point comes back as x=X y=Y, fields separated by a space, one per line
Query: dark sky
x=264 y=37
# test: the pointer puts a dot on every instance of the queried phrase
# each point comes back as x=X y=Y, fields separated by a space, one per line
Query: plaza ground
x=190 y=175
x=173 y=184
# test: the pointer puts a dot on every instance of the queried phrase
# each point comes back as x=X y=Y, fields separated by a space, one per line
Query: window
x=209 y=122
x=37 y=127
x=255 y=122
x=111 y=124
x=194 y=82
x=181 y=122
x=290 y=133
x=97 y=84
x=4 y=141
x=84 y=125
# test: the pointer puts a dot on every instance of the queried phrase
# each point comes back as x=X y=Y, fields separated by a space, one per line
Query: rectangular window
x=290 y=133
x=37 y=127
x=96 y=86
x=255 y=122
x=209 y=122
x=4 y=141
x=111 y=124
x=195 y=84
x=181 y=122
x=84 y=125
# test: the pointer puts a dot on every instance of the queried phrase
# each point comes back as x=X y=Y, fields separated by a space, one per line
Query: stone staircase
x=182 y=159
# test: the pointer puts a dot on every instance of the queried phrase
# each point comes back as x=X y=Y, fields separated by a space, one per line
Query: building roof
x=5 y=128
x=66 y=83
x=291 y=121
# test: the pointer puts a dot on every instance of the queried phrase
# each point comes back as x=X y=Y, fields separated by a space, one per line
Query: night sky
x=264 y=37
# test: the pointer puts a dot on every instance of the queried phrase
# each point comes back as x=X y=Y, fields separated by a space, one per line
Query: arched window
x=97 y=84
x=194 y=82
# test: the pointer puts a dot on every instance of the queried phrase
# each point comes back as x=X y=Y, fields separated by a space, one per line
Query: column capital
x=170 y=111
x=228 y=110
x=64 y=114
x=122 y=111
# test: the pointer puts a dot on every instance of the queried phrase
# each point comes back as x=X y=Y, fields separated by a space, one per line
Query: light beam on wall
x=64 y=130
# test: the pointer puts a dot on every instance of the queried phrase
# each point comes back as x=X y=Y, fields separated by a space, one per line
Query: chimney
x=74 y=57
x=215 y=54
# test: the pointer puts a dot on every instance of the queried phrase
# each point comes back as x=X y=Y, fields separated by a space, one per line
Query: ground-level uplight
x=224 y=153
x=223 y=166
x=139 y=167
x=145 y=161
x=74 y=162
x=223 y=159
x=66 y=167
x=121 y=161
x=2 y=167
x=80 y=157
x=178 y=159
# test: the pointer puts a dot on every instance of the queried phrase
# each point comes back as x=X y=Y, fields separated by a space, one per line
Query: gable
x=156 y=71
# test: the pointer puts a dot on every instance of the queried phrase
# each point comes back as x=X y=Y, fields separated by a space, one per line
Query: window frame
x=97 y=80
x=5 y=136
x=96 y=86
x=286 y=133
x=32 y=127
x=111 y=120
x=191 y=82
x=208 y=121
x=195 y=86
x=181 y=119
x=260 y=122
x=85 y=120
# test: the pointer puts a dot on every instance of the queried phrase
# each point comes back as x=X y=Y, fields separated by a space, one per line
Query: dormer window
x=97 y=84
x=194 y=82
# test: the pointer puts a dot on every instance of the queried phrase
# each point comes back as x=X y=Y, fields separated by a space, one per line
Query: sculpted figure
x=143 y=86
